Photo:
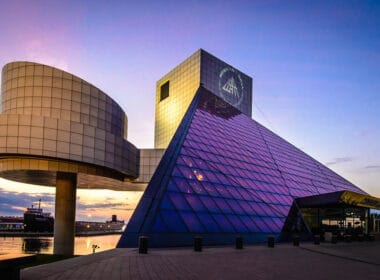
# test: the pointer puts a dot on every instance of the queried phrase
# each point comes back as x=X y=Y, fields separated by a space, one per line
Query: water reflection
x=36 y=245
x=44 y=245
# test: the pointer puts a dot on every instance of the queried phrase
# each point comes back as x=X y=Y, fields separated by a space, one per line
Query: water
x=44 y=245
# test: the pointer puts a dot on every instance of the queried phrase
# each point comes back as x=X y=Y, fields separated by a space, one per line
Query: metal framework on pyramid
x=225 y=175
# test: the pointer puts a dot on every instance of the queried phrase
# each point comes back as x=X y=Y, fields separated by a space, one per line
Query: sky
x=315 y=67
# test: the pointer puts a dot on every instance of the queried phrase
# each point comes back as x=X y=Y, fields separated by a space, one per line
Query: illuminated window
x=164 y=91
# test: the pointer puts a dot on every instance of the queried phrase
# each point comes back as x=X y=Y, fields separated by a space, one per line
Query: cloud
x=14 y=204
x=340 y=160
x=372 y=167
x=126 y=209
x=92 y=206
x=100 y=204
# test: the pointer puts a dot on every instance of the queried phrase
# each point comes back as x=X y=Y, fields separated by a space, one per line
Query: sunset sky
x=315 y=68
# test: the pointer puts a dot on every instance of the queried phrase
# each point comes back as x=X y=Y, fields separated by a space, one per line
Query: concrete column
x=64 y=223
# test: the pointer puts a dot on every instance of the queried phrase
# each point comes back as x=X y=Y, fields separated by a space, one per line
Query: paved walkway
x=326 y=261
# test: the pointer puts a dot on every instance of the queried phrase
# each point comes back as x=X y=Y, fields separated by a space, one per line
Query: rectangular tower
x=175 y=91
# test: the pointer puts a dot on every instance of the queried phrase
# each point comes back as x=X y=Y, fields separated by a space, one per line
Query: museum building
x=225 y=175
x=214 y=172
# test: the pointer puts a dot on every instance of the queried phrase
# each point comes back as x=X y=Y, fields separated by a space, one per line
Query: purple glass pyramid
x=225 y=175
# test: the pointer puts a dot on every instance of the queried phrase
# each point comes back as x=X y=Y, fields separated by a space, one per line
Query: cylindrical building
x=53 y=121
x=58 y=130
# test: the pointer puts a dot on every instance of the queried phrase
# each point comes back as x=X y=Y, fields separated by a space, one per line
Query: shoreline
x=51 y=234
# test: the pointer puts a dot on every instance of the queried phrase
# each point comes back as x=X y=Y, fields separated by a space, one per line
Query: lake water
x=44 y=245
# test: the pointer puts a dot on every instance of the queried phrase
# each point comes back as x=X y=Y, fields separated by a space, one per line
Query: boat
x=36 y=220
x=115 y=224
x=112 y=226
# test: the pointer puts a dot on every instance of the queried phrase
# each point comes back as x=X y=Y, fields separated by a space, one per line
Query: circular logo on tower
x=231 y=86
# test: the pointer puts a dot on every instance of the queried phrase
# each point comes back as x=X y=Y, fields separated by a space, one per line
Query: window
x=164 y=91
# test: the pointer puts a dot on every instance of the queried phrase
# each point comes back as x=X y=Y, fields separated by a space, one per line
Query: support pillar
x=64 y=223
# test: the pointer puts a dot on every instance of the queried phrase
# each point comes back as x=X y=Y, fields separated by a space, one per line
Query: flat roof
x=339 y=198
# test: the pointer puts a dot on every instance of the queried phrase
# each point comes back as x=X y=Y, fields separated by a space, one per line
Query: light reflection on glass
x=198 y=175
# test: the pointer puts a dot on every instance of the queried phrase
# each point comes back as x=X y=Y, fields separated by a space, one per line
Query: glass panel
x=166 y=203
x=210 y=204
x=177 y=172
x=208 y=222
x=186 y=172
x=270 y=224
x=188 y=161
x=180 y=161
x=178 y=201
x=223 y=223
x=279 y=223
x=211 y=177
x=223 y=206
x=183 y=185
x=210 y=189
x=223 y=191
x=245 y=205
x=173 y=221
x=159 y=225
x=192 y=222
x=197 y=187
x=172 y=186
x=248 y=222
x=235 y=206
x=238 y=225
x=257 y=208
x=235 y=193
x=262 y=225
x=199 y=175
x=200 y=163
x=195 y=203
x=268 y=209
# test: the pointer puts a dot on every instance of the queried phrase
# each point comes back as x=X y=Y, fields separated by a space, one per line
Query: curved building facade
x=53 y=121
x=57 y=129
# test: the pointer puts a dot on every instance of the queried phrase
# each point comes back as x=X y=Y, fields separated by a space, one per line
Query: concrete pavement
x=326 y=261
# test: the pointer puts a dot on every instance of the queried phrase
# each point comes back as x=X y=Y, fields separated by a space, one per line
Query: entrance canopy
x=340 y=198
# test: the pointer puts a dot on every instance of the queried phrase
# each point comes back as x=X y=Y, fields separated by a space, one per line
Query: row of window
x=17 y=69
x=63 y=95
x=109 y=155
x=185 y=221
x=237 y=195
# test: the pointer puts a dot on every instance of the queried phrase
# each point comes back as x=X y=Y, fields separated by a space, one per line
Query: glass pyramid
x=225 y=175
